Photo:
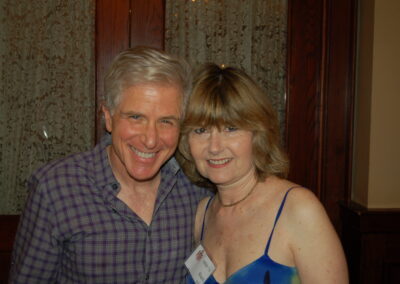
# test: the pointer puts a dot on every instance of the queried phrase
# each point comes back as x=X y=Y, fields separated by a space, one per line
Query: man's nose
x=150 y=136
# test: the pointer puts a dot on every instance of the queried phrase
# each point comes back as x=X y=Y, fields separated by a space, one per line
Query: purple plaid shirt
x=75 y=230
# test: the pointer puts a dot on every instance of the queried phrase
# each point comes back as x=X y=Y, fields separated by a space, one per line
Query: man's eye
x=135 y=116
x=167 y=121
x=231 y=128
x=199 y=130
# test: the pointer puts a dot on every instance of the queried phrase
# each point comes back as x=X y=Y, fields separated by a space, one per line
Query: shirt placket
x=118 y=207
x=148 y=255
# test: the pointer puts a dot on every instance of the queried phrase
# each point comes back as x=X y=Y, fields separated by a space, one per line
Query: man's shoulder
x=81 y=162
x=69 y=167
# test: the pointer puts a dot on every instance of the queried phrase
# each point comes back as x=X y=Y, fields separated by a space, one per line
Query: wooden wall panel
x=320 y=87
x=121 y=24
x=147 y=23
x=112 y=36
x=371 y=239
x=8 y=228
x=338 y=102
x=303 y=121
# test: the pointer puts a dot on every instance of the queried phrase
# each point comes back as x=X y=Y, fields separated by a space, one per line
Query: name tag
x=199 y=265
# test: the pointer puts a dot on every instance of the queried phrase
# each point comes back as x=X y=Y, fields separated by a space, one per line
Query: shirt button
x=115 y=186
x=147 y=277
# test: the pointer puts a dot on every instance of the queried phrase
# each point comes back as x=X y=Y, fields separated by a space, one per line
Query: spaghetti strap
x=204 y=217
x=277 y=217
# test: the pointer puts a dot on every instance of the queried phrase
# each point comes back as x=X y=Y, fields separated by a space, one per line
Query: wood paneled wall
x=8 y=227
x=320 y=87
x=371 y=239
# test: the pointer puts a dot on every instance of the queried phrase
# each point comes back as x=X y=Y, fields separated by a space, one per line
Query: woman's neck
x=231 y=194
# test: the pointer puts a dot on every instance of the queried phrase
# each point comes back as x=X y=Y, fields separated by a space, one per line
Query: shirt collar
x=103 y=174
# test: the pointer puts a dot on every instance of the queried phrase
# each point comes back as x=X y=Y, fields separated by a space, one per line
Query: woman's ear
x=107 y=118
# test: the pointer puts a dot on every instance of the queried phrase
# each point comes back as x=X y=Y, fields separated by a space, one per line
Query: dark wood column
x=320 y=97
x=121 y=24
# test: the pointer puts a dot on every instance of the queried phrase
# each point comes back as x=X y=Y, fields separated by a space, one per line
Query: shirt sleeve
x=36 y=252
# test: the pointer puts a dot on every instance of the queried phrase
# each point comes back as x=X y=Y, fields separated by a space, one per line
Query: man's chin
x=144 y=177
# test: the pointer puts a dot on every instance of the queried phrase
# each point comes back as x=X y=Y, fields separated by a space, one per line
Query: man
x=123 y=212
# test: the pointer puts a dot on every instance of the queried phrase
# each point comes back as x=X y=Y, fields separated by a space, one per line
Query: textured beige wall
x=363 y=102
x=377 y=136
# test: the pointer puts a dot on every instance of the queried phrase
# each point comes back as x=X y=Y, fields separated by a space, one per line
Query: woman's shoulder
x=300 y=202
x=303 y=211
x=200 y=214
x=303 y=201
x=312 y=237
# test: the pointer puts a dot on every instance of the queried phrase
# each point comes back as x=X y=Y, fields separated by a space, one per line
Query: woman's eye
x=231 y=128
x=199 y=130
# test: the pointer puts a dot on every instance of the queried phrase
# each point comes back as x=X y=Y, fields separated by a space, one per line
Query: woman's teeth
x=219 y=162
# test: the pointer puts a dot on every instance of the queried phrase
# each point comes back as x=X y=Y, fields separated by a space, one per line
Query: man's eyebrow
x=131 y=113
x=173 y=117
x=128 y=113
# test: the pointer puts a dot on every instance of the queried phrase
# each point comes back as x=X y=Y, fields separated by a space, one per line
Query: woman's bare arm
x=318 y=253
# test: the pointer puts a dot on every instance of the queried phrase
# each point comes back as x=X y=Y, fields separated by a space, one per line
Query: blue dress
x=263 y=269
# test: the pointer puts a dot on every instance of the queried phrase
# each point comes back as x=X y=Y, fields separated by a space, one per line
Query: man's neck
x=139 y=196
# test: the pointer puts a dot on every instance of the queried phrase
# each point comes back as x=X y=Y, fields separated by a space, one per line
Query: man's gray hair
x=141 y=65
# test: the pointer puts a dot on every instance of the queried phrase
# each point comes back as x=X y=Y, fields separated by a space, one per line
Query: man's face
x=144 y=129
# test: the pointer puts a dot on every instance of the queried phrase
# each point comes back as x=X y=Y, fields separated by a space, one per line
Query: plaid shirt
x=75 y=230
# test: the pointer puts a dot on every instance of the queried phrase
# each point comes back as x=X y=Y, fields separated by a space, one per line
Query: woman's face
x=223 y=156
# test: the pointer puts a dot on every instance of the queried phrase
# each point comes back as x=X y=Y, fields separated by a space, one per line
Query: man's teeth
x=219 y=162
x=143 y=154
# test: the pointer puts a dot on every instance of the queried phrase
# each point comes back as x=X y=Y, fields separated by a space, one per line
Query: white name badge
x=199 y=265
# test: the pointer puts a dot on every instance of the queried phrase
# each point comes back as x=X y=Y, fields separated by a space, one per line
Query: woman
x=259 y=227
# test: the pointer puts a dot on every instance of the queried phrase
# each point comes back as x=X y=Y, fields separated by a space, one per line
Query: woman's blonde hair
x=229 y=97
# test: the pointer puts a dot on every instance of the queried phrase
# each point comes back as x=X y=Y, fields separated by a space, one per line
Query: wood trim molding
x=376 y=220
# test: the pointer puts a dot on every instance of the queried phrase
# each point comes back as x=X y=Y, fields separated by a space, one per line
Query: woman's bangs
x=205 y=114
x=215 y=112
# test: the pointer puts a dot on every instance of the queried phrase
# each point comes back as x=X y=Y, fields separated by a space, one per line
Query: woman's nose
x=215 y=142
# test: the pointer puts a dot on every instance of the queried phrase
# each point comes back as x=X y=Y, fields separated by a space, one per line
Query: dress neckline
x=265 y=255
x=252 y=263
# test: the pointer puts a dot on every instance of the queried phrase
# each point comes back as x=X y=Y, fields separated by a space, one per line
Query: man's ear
x=107 y=118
